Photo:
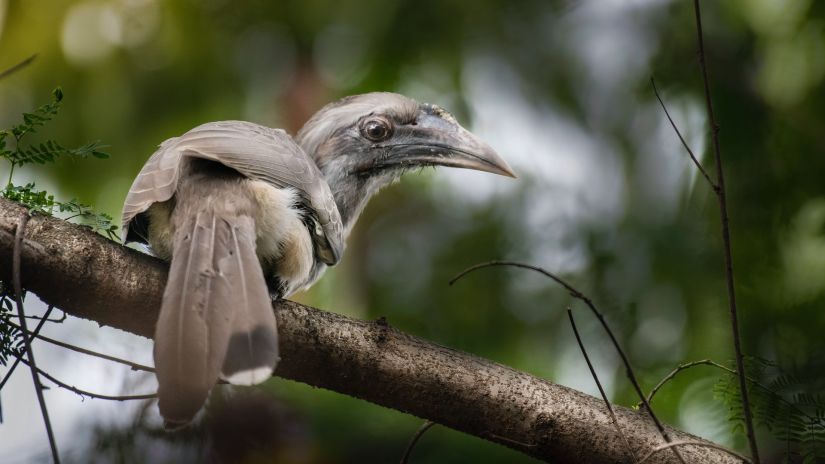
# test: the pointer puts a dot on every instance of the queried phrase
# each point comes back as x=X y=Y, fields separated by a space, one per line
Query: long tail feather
x=253 y=347
x=216 y=318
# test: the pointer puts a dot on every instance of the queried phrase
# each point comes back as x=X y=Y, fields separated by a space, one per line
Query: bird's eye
x=376 y=130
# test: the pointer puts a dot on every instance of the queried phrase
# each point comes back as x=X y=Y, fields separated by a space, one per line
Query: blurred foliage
x=45 y=152
x=790 y=406
x=48 y=151
x=561 y=88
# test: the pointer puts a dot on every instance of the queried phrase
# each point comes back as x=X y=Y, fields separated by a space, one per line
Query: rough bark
x=91 y=277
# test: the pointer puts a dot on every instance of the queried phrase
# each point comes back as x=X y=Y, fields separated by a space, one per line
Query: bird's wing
x=257 y=152
x=155 y=183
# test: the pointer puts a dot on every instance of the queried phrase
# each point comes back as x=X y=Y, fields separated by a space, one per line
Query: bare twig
x=723 y=213
x=599 y=385
x=509 y=440
x=424 y=427
x=708 y=362
x=9 y=71
x=680 y=368
x=5 y=293
x=682 y=139
x=589 y=303
x=83 y=393
x=31 y=337
x=721 y=197
x=705 y=444
x=18 y=296
x=38 y=318
x=133 y=365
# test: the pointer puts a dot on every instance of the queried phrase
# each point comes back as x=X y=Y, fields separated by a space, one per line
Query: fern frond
x=39 y=117
x=784 y=404
x=11 y=339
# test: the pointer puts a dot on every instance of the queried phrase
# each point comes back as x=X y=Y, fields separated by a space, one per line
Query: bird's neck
x=352 y=192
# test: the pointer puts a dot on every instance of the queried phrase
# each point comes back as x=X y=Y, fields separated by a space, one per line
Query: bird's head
x=364 y=142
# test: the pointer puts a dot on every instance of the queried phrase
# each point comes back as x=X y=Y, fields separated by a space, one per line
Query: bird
x=365 y=142
x=245 y=214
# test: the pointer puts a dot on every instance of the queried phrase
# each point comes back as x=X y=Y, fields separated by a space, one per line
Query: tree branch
x=91 y=277
x=631 y=375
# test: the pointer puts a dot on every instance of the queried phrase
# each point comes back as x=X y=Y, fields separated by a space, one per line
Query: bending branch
x=86 y=393
x=91 y=277
x=631 y=375
x=424 y=427
x=133 y=365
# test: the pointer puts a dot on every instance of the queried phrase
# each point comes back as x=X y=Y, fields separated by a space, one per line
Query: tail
x=216 y=319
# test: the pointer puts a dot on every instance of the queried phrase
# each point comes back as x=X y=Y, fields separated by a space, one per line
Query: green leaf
x=10 y=337
x=40 y=201
x=39 y=117
x=784 y=403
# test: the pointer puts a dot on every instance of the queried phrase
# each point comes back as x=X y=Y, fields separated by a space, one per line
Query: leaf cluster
x=44 y=152
x=789 y=405
x=40 y=201
x=11 y=339
x=48 y=151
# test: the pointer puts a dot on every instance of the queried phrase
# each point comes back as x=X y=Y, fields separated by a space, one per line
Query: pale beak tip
x=501 y=166
x=508 y=171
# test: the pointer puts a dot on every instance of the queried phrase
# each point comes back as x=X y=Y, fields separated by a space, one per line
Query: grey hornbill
x=242 y=212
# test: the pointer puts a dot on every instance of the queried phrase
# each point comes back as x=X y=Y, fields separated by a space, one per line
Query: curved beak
x=436 y=139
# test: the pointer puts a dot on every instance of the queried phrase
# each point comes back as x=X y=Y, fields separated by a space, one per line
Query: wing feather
x=257 y=152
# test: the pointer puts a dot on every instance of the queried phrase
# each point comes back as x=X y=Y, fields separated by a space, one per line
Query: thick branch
x=91 y=277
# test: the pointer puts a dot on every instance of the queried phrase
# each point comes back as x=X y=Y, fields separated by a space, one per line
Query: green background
x=606 y=195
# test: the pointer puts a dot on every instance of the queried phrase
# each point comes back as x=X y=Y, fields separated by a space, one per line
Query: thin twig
x=135 y=366
x=708 y=362
x=704 y=444
x=682 y=139
x=9 y=71
x=5 y=293
x=424 y=427
x=509 y=440
x=38 y=318
x=599 y=385
x=723 y=213
x=682 y=367
x=83 y=393
x=589 y=303
x=18 y=296
x=31 y=337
